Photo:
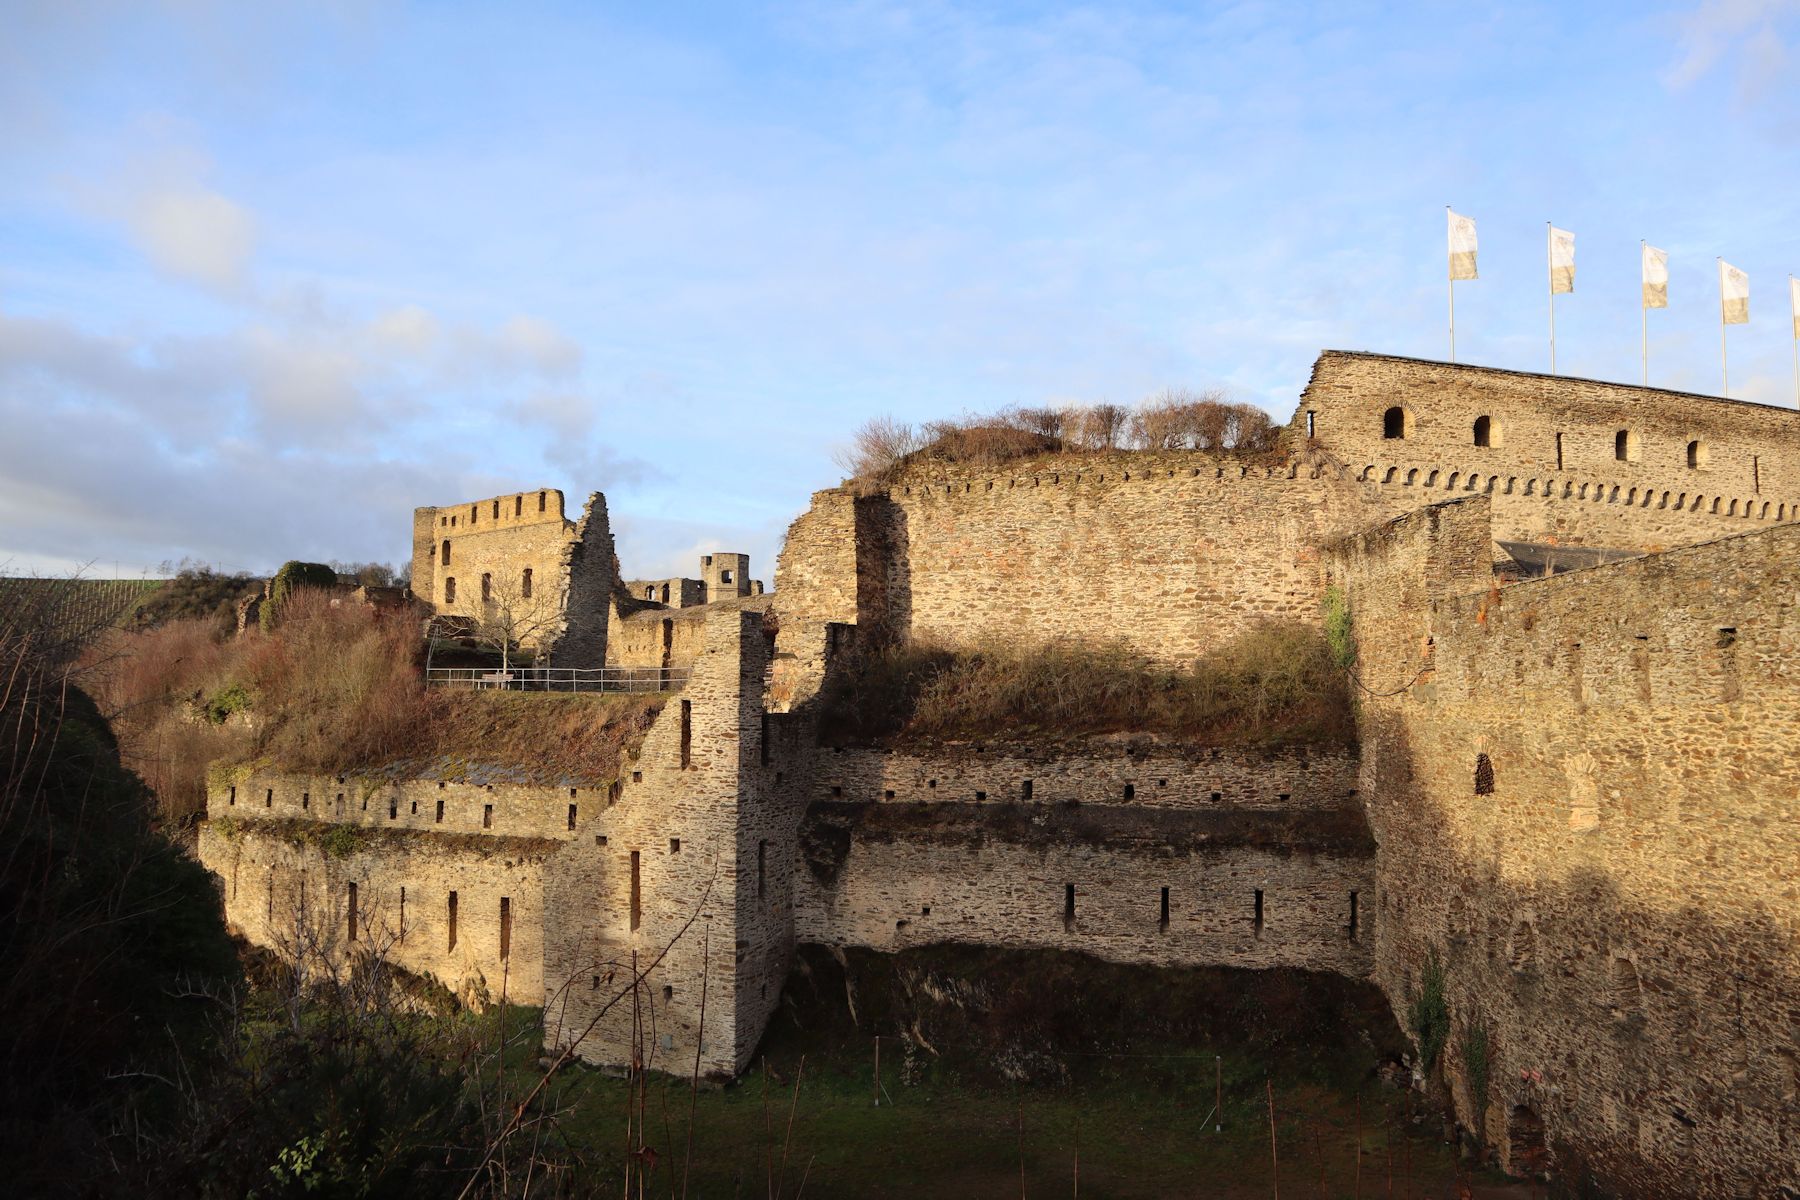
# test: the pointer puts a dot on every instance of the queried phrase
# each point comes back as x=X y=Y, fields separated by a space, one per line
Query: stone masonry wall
x=589 y=571
x=281 y=885
x=1190 y=858
x=681 y=817
x=1585 y=804
x=1175 y=552
x=1552 y=464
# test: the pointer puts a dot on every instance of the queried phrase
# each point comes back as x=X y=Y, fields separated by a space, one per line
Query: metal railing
x=559 y=679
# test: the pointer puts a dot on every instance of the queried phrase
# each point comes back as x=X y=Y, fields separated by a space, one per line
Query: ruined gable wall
x=1174 y=552
x=912 y=848
x=278 y=886
x=587 y=572
x=686 y=816
x=815 y=587
x=1619 y=911
x=1584 y=494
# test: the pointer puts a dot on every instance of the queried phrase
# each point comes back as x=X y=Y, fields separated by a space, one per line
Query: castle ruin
x=1575 y=783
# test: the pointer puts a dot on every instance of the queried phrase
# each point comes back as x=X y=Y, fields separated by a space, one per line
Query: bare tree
x=516 y=611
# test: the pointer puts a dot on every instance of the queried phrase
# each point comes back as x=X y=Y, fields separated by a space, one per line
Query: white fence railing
x=560 y=679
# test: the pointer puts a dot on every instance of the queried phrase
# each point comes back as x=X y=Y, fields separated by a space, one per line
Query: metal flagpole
x=1450 y=271
x=1724 y=361
x=1794 y=305
x=1550 y=276
x=1644 y=312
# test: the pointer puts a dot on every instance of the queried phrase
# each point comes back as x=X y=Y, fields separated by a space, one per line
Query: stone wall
x=1566 y=460
x=1585 y=804
x=285 y=884
x=517 y=560
x=675 y=839
x=1189 y=858
x=1175 y=552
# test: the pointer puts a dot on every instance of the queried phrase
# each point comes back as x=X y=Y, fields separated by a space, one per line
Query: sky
x=271 y=276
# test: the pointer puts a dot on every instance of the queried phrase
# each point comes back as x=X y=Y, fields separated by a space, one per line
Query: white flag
x=1794 y=288
x=1462 y=246
x=1656 y=277
x=1562 y=260
x=1734 y=294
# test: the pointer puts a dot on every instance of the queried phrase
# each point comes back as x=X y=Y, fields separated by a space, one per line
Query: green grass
x=1142 y=1131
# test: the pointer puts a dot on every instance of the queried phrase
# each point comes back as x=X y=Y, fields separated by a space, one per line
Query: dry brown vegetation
x=1174 y=419
x=1276 y=685
x=333 y=688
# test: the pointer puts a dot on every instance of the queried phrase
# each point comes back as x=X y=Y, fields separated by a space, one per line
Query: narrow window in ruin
x=393 y=808
x=1484 y=775
x=614 y=790
x=571 y=816
x=450 y=589
x=305 y=801
x=674 y=845
x=1626 y=995
x=271 y=916
x=487 y=586
x=1162 y=922
x=637 y=894
x=340 y=804
x=233 y=797
x=1353 y=915
x=451 y=920
x=403 y=916
x=525 y=584
x=762 y=745
x=518 y=506
x=1559 y=451
x=1025 y=790
x=1622 y=445
x=505 y=927
x=496 y=510
x=687 y=734
x=1696 y=455
x=1312 y=424
x=599 y=839
x=415 y=808
x=1068 y=906
x=487 y=816
x=440 y=812
x=1393 y=423
x=350 y=911
x=1756 y=473
x=474 y=513
x=444 y=556
x=637 y=777
x=1484 y=432
x=1258 y=923
x=540 y=502
x=269 y=798
x=1130 y=790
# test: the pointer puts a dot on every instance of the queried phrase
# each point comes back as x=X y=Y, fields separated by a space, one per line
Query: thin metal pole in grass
x=699 y=1040
x=787 y=1138
x=1021 y=1148
x=878 y=1070
x=1218 y=1093
x=1274 y=1158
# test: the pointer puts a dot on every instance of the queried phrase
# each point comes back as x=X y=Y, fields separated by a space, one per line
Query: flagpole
x=1795 y=314
x=1724 y=360
x=1643 y=313
x=1550 y=275
x=1450 y=270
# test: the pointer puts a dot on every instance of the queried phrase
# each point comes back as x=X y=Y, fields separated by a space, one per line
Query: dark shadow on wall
x=1652 y=1051
x=883 y=571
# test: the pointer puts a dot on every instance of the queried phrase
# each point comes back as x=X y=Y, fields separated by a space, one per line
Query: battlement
x=536 y=507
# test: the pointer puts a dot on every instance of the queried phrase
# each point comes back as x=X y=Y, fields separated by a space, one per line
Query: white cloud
x=195 y=234
x=408 y=329
x=1712 y=31
x=538 y=344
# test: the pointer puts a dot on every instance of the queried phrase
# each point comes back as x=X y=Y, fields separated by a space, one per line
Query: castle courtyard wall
x=1610 y=883
x=1552 y=465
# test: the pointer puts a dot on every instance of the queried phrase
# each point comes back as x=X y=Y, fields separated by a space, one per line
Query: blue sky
x=270 y=276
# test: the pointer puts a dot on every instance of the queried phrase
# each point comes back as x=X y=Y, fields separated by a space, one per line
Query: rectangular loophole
x=571 y=816
x=1068 y=906
x=674 y=845
x=762 y=869
x=1162 y=921
x=637 y=892
x=505 y=927
x=450 y=919
x=1259 y=912
x=350 y=910
x=487 y=816
x=1025 y=789
x=687 y=734
x=1353 y=916
x=440 y=812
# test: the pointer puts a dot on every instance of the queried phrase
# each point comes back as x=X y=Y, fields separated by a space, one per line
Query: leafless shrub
x=877 y=448
x=1274 y=685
